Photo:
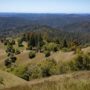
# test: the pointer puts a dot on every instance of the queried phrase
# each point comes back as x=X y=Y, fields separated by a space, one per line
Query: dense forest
x=62 y=26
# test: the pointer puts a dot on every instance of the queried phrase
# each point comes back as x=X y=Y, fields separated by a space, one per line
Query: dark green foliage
x=9 y=54
x=26 y=76
x=55 y=26
x=8 y=63
x=51 y=47
x=32 y=54
x=47 y=53
x=20 y=43
x=65 y=45
x=34 y=40
x=13 y=59
x=55 y=49
x=17 y=52
x=1 y=80
x=12 y=42
x=10 y=49
x=29 y=47
x=20 y=71
x=2 y=40
x=82 y=62
x=6 y=42
x=42 y=69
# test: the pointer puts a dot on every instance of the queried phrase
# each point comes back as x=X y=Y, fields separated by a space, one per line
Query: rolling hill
x=10 y=80
x=73 y=81
x=65 y=38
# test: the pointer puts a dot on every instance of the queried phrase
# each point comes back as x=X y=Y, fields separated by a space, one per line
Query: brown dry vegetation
x=74 y=81
x=10 y=80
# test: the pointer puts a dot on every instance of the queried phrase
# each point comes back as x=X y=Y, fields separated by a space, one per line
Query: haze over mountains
x=68 y=22
x=57 y=24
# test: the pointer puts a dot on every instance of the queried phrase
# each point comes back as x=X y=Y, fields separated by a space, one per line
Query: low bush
x=7 y=63
x=51 y=47
x=47 y=53
x=19 y=71
x=32 y=54
x=13 y=59
x=29 y=48
x=17 y=52
x=82 y=62
x=10 y=61
x=1 y=80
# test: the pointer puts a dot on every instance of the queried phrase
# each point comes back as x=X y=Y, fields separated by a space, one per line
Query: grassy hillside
x=23 y=58
x=9 y=80
x=74 y=81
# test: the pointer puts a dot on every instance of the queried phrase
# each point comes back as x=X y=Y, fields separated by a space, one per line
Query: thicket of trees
x=38 y=42
x=11 y=52
x=42 y=41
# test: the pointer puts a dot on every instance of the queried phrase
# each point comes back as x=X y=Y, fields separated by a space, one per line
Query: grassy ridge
x=10 y=80
x=74 y=81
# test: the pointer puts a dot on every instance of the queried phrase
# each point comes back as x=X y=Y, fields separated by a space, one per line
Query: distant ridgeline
x=57 y=26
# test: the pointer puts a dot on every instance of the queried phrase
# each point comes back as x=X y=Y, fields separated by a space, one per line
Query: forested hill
x=62 y=25
x=59 y=21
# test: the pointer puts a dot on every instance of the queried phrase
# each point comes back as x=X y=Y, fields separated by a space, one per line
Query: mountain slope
x=10 y=80
x=74 y=81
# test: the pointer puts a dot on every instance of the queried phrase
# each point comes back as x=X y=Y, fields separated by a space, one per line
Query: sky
x=45 y=6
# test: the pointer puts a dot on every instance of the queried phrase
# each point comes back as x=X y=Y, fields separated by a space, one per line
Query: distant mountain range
x=58 y=24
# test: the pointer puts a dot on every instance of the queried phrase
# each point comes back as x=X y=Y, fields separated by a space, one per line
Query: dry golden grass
x=86 y=49
x=74 y=81
x=62 y=56
x=2 y=52
x=10 y=80
x=23 y=58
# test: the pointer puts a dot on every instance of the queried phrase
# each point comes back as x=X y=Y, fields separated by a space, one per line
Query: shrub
x=51 y=47
x=88 y=53
x=47 y=53
x=1 y=80
x=20 y=43
x=43 y=69
x=65 y=67
x=78 y=51
x=7 y=63
x=12 y=42
x=82 y=62
x=6 y=42
x=10 y=49
x=20 y=71
x=26 y=76
x=47 y=68
x=29 y=48
x=66 y=49
x=32 y=54
x=17 y=52
x=13 y=59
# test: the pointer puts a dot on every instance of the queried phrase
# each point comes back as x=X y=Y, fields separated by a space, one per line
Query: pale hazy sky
x=45 y=6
